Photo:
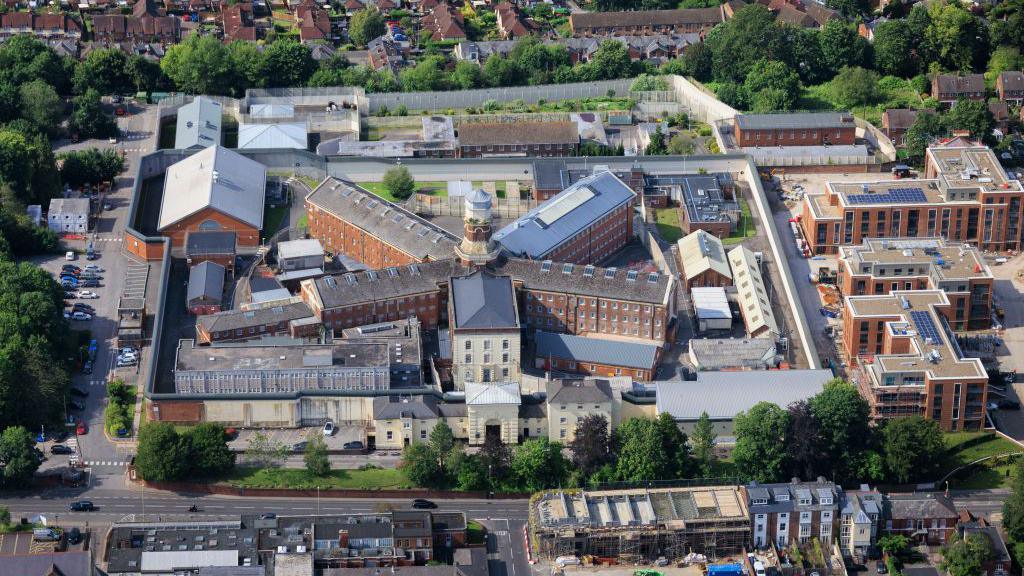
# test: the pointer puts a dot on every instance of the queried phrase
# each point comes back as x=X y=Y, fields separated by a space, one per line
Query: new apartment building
x=965 y=196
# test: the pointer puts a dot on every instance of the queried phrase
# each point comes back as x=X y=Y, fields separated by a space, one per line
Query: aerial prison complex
x=514 y=331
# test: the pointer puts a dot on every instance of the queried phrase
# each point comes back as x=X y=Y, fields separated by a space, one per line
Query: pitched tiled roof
x=206 y=280
x=1012 y=81
x=708 y=16
x=947 y=83
x=597 y=350
x=795 y=121
x=578 y=391
x=600 y=283
x=236 y=319
x=483 y=300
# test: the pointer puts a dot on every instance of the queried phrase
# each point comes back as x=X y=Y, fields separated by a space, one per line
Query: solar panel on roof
x=925 y=326
x=893 y=196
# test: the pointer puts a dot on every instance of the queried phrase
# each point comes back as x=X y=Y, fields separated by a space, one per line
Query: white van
x=70 y=255
x=563 y=561
x=759 y=569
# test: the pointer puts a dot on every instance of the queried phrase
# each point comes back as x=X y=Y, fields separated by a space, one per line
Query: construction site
x=640 y=525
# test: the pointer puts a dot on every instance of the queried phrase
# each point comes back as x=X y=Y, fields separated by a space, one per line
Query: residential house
x=146 y=24
x=896 y=122
x=948 y=88
x=238 y=23
x=794 y=512
x=999 y=563
x=859 y=522
x=313 y=22
x=511 y=22
x=645 y=22
x=385 y=53
x=444 y=22
x=925 y=517
x=1010 y=87
x=809 y=14
x=46 y=27
x=1001 y=114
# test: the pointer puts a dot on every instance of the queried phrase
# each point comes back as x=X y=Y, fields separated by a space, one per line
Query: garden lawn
x=892 y=93
x=300 y=478
x=967 y=447
x=669 y=227
x=273 y=218
x=432 y=188
x=745 y=228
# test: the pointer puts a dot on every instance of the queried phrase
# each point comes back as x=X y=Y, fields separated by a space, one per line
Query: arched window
x=209 y=225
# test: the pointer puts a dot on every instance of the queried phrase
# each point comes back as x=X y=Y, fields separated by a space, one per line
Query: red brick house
x=1010 y=87
x=238 y=23
x=926 y=517
x=795 y=129
x=147 y=23
x=444 y=22
x=947 y=88
x=313 y=21
x=896 y=122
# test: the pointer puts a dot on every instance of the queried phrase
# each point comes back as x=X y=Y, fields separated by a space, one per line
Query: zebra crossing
x=108 y=463
x=108 y=239
x=97 y=383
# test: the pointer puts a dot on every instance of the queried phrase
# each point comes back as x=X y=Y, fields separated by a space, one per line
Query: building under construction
x=630 y=526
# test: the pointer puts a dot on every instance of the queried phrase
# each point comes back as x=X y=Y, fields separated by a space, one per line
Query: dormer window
x=760 y=501
x=805 y=501
x=826 y=501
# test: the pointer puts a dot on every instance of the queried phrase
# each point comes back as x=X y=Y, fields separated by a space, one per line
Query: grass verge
x=965 y=447
x=745 y=228
x=273 y=218
x=475 y=532
x=301 y=479
x=667 y=221
x=433 y=188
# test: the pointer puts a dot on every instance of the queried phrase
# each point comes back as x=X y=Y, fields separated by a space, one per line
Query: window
x=391 y=435
x=423 y=434
x=504 y=358
x=504 y=344
x=469 y=358
x=469 y=344
x=487 y=344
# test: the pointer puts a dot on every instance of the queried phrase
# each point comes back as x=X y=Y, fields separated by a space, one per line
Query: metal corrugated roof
x=493 y=393
x=299 y=248
x=598 y=350
x=564 y=215
x=746 y=274
x=159 y=561
x=199 y=124
x=215 y=178
x=282 y=135
x=710 y=303
x=724 y=394
x=701 y=252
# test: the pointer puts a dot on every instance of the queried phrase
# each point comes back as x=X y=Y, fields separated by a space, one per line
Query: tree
x=610 y=60
x=681 y=144
x=209 y=454
x=843 y=418
x=398 y=181
x=855 y=87
x=657 y=147
x=702 y=441
x=249 y=66
x=771 y=100
x=288 y=63
x=776 y=76
x=5 y=517
x=466 y=75
x=498 y=71
x=90 y=166
x=428 y=75
x=1004 y=58
x=926 y=127
x=841 y=46
x=162 y=454
x=41 y=105
x=590 y=444
x=365 y=25
x=750 y=35
x=105 y=70
x=537 y=464
x=420 y=465
x=18 y=457
x=202 y=64
x=15 y=163
x=1013 y=506
x=893 y=544
x=913 y=448
x=803 y=442
x=442 y=443
x=89 y=119
x=967 y=556
x=640 y=452
x=265 y=453
x=470 y=472
x=145 y=74
x=648 y=83
x=973 y=116
x=317 y=462
x=760 y=451
x=1006 y=23
x=676 y=446
x=494 y=456
x=894 y=49
x=957 y=38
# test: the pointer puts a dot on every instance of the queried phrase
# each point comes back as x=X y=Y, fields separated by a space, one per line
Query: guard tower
x=477 y=248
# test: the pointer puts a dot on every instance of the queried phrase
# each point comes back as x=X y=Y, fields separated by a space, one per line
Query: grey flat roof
x=199 y=124
x=795 y=121
x=724 y=394
x=564 y=215
x=193 y=358
x=76 y=206
x=597 y=350
x=300 y=248
x=483 y=301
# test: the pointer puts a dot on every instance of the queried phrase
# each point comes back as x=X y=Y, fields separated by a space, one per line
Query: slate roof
x=482 y=300
x=422 y=407
x=601 y=283
x=795 y=121
x=235 y=319
x=578 y=391
x=384 y=220
x=924 y=505
x=505 y=133
x=709 y=16
x=299 y=248
x=357 y=288
x=724 y=394
x=564 y=215
x=262 y=136
x=786 y=497
x=199 y=124
x=206 y=280
x=59 y=564
x=900 y=118
x=72 y=206
x=949 y=83
x=216 y=178
x=492 y=393
x=597 y=350
x=1012 y=80
x=201 y=243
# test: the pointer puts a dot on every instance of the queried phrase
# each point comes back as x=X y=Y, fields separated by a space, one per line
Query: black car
x=268 y=516
x=422 y=504
x=354 y=445
x=1009 y=404
x=87 y=367
x=77 y=405
x=70 y=268
x=74 y=536
x=84 y=307
x=90 y=284
x=61 y=449
x=300 y=446
x=881 y=568
x=79 y=391
x=70 y=295
x=82 y=506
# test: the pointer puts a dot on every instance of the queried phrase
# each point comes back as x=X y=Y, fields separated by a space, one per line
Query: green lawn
x=967 y=447
x=667 y=220
x=311 y=182
x=745 y=228
x=274 y=218
x=299 y=478
x=434 y=188
x=892 y=93
x=475 y=532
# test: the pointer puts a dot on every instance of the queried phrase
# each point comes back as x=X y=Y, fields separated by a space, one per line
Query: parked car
x=82 y=506
x=268 y=516
x=126 y=363
x=93 y=268
x=70 y=268
x=77 y=405
x=61 y=449
x=81 y=316
x=81 y=429
x=69 y=255
x=354 y=445
x=231 y=433
x=91 y=284
x=423 y=504
x=881 y=568
x=74 y=536
x=70 y=295
x=87 y=367
x=79 y=391
x=83 y=307
x=300 y=446
x=329 y=428
x=87 y=294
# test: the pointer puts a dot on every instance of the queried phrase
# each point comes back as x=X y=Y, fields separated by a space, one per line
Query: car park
x=82 y=506
x=83 y=307
x=61 y=449
x=79 y=391
x=91 y=284
x=81 y=316
x=93 y=268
